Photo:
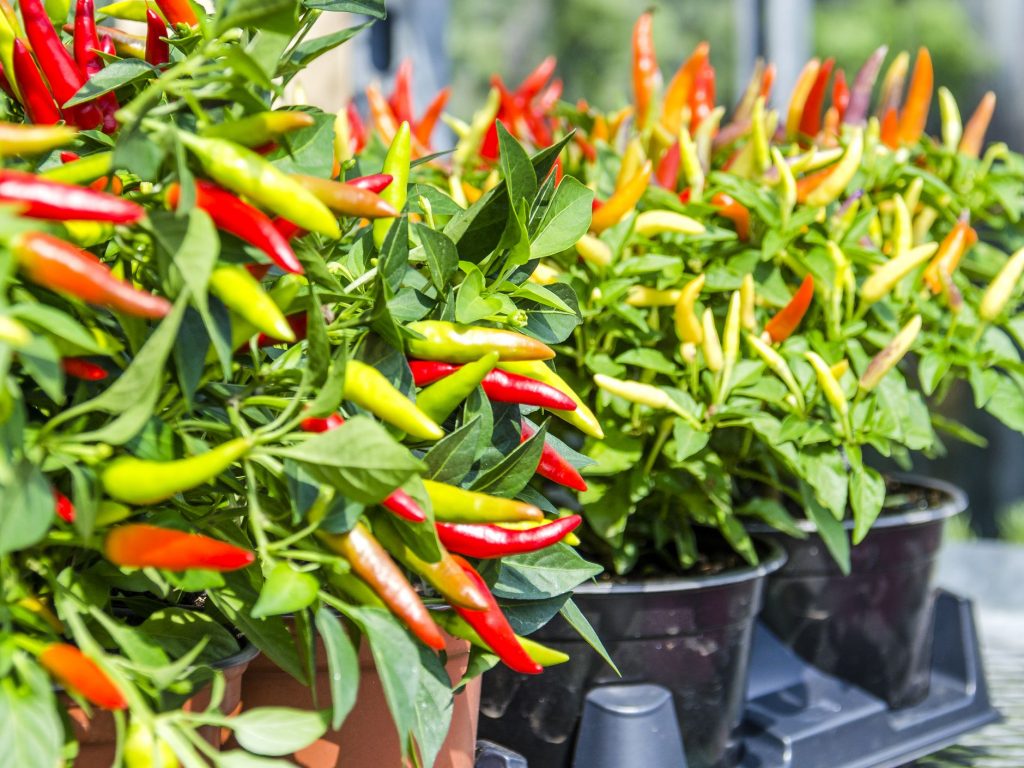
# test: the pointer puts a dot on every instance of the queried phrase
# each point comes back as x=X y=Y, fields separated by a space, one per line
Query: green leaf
x=308 y=150
x=572 y=614
x=285 y=591
x=451 y=458
x=470 y=303
x=774 y=514
x=342 y=665
x=510 y=475
x=113 y=76
x=178 y=630
x=686 y=440
x=1007 y=402
x=42 y=362
x=565 y=221
x=30 y=729
x=52 y=321
x=442 y=257
x=26 y=507
x=250 y=13
x=520 y=180
x=829 y=528
x=434 y=706
x=553 y=571
x=276 y=731
x=374 y=8
x=303 y=54
x=867 y=493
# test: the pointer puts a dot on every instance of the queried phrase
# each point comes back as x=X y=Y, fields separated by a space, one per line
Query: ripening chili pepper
x=260 y=128
x=116 y=41
x=347 y=199
x=645 y=68
x=677 y=95
x=240 y=292
x=464 y=343
x=667 y=173
x=44 y=199
x=781 y=326
x=702 y=95
x=688 y=326
x=444 y=575
x=860 y=94
x=779 y=366
x=84 y=170
x=623 y=200
x=485 y=541
x=494 y=629
x=61 y=267
x=63 y=507
x=919 y=99
x=424 y=128
x=19 y=139
x=582 y=417
x=840 y=175
x=810 y=115
x=455 y=625
x=977 y=126
x=77 y=673
x=457 y=505
x=370 y=389
x=143 y=481
x=401 y=96
x=840 y=94
x=960 y=238
x=35 y=95
x=652 y=223
x=890 y=355
x=736 y=212
x=999 y=291
x=399 y=502
x=439 y=400
x=371 y=562
x=640 y=394
x=499 y=386
x=246 y=173
x=797 y=101
x=376 y=183
x=396 y=165
x=158 y=51
x=138 y=545
x=881 y=282
x=242 y=220
x=383 y=118
x=178 y=12
x=80 y=368
x=552 y=465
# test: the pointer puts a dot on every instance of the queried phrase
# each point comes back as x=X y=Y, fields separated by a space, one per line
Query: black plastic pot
x=690 y=635
x=872 y=627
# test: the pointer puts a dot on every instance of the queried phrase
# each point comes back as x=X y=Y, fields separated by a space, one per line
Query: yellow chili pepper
x=642 y=394
x=748 y=300
x=693 y=171
x=623 y=201
x=704 y=136
x=468 y=146
x=545 y=274
x=902 y=228
x=711 y=344
x=881 y=282
x=999 y=291
x=730 y=346
x=779 y=366
x=642 y=296
x=594 y=251
x=839 y=369
x=651 y=223
x=787 y=184
x=841 y=175
x=632 y=161
x=688 y=326
x=582 y=417
x=828 y=383
x=759 y=136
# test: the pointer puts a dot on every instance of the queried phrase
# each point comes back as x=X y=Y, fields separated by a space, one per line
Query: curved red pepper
x=375 y=183
x=840 y=94
x=63 y=507
x=499 y=385
x=241 y=220
x=810 y=118
x=158 y=51
x=356 y=128
x=552 y=466
x=494 y=629
x=667 y=173
x=399 y=502
x=80 y=368
x=53 y=200
x=80 y=674
x=484 y=541
x=534 y=82
x=137 y=545
x=702 y=97
x=785 y=321
x=36 y=98
x=400 y=100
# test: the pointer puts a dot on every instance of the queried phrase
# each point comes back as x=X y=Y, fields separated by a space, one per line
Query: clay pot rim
x=769 y=564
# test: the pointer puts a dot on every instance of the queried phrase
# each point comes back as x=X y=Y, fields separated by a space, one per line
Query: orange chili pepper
x=80 y=674
x=425 y=127
x=891 y=128
x=974 y=132
x=737 y=213
x=767 y=81
x=645 y=67
x=919 y=99
x=942 y=266
x=623 y=201
x=785 y=321
x=810 y=182
x=810 y=117
x=677 y=95
x=380 y=111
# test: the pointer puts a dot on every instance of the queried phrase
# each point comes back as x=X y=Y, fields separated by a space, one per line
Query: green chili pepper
x=693 y=171
x=457 y=505
x=440 y=399
x=643 y=394
x=582 y=417
x=779 y=366
x=902 y=227
x=465 y=343
x=243 y=295
x=82 y=171
x=246 y=173
x=396 y=165
x=829 y=385
x=259 y=129
x=369 y=388
x=140 y=481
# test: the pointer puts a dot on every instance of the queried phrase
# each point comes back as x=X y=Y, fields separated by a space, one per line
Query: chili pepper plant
x=258 y=388
x=775 y=303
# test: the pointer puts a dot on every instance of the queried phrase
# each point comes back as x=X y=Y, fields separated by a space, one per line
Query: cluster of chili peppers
x=526 y=111
x=388 y=113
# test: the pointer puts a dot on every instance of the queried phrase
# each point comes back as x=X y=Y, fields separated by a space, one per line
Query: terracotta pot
x=97 y=735
x=367 y=738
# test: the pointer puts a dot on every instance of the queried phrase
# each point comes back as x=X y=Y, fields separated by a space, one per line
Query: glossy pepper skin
x=80 y=368
x=442 y=398
x=371 y=562
x=20 y=139
x=954 y=245
x=138 y=545
x=465 y=343
x=178 y=12
x=61 y=267
x=457 y=505
x=347 y=199
x=645 y=68
x=86 y=47
x=396 y=164
x=35 y=95
x=582 y=417
x=43 y=199
x=919 y=99
x=398 y=502
x=375 y=183
x=141 y=481
x=79 y=674
x=242 y=220
x=242 y=294
x=552 y=466
x=785 y=321
x=63 y=507
x=494 y=629
x=623 y=200
x=158 y=52
x=261 y=128
x=246 y=173
x=370 y=389
x=499 y=386
x=484 y=541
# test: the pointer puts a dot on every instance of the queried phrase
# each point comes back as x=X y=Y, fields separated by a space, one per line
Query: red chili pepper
x=702 y=97
x=54 y=200
x=36 y=96
x=810 y=119
x=736 y=212
x=297 y=322
x=178 y=12
x=61 y=73
x=356 y=129
x=63 y=507
x=107 y=45
x=375 y=183
x=158 y=51
x=840 y=94
x=485 y=541
x=61 y=267
x=242 y=220
x=138 y=545
x=400 y=100
x=552 y=466
x=767 y=81
x=499 y=385
x=534 y=82
x=80 y=674
x=668 y=167
x=645 y=67
x=424 y=127
x=80 y=368
x=86 y=39
x=685 y=195
x=494 y=629
x=785 y=321
x=399 y=502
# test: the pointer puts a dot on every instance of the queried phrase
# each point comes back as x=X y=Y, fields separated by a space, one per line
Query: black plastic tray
x=796 y=716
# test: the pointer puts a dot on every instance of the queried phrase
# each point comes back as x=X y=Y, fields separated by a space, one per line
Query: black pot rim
x=772 y=562
x=954 y=503
x=246 y=653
